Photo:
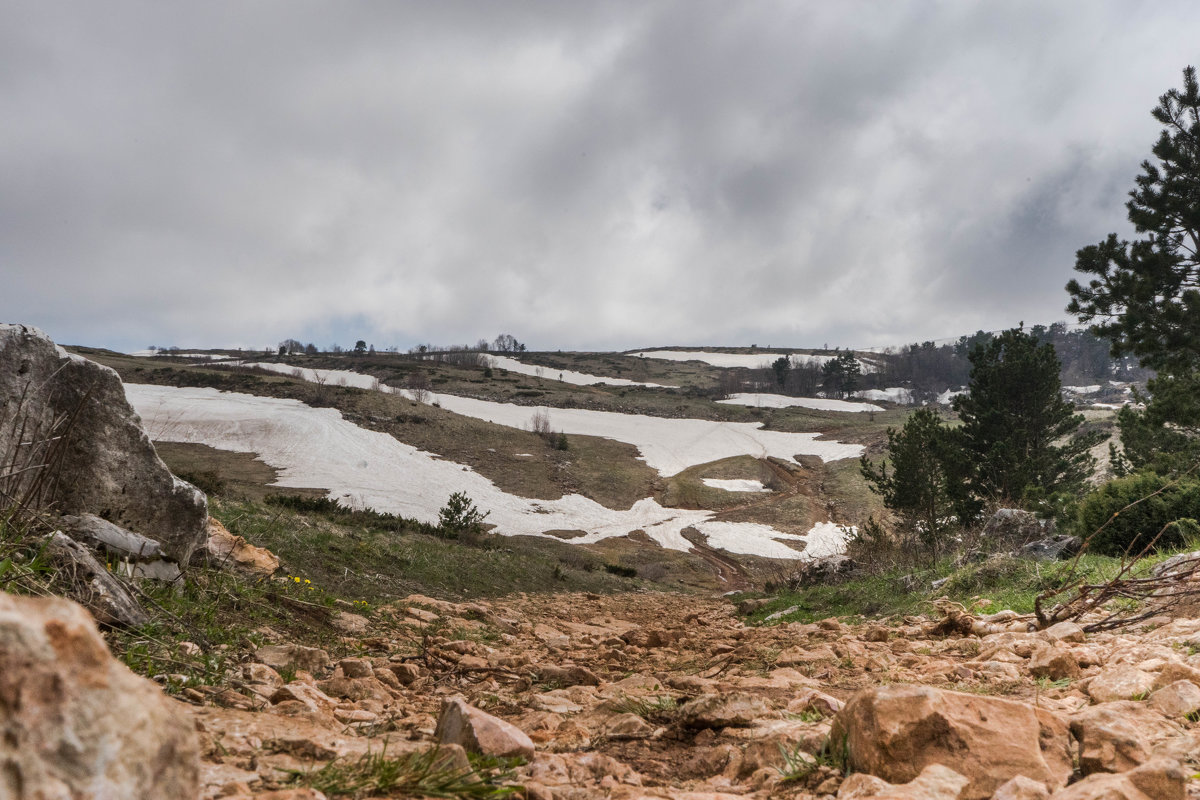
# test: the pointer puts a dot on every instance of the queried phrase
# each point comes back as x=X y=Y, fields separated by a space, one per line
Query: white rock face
x=75 y=722
x=107 y=465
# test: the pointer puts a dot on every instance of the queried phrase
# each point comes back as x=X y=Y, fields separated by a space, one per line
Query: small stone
x=1056 y=663
x=310 y=696
x=1108 y=740
x=480 y=732
x=356 y=668
x=293 y=657
x=350 y=623
x=406 y=673
x=1179 y=699
x=1122 y=682
x=736 y=709
x=1065 y=632
x=1161 y=779
x=1022 y=788
x=628 y=726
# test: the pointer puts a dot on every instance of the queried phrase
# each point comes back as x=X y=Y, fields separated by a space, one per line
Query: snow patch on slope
x=366 y=469
x=784 y=401
x=563 y=375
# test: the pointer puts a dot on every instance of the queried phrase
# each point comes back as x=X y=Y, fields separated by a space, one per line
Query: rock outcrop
x=74 y=722
x=895 y=732
x=224 y=550
x=72 y=412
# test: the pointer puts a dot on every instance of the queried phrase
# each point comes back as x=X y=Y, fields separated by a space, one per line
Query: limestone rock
x=350 y=623
x=1022 y=788
x=735 y=709
x=1179 y=699
x=896 y=731
x=1054 y=662
x=1052 y=548
x=571 y=675
x=406 y=673
x=224 y=550
x=1065 y=631
x=94 y=586
x=75 y=722
x=1120 y=682
x=1017 y=526
x=1161 y=779
x=138 y=556
x=479 y=732
x=356 y=668
x=105 y=463
x=627 y=726
x=1109 y=739
x=293 y=657
x=297 y=691
x=936 y=782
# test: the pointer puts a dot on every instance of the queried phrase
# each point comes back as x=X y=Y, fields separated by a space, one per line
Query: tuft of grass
x=661 y=710
x=799 y=764
x=423 y=774
x=808 y=715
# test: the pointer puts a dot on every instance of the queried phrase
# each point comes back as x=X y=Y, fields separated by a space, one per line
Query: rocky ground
x=665 y=696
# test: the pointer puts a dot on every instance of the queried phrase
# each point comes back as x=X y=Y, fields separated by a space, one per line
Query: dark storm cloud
x=580 y=174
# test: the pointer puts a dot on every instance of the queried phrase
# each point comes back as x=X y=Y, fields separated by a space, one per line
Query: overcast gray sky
x=594 y=175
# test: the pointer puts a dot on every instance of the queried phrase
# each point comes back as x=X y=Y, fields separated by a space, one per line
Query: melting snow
x=366 y=469
x=667 y=445
x=176 y=354
x=895 y=394
x=729 y=360
x=783 y=401
x=735 y=484
x=564 y=375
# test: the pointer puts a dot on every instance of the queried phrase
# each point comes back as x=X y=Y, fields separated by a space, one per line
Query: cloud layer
x=604 y=175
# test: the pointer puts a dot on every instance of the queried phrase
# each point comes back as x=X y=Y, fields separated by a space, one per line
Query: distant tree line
x=929 y=369
x=465 y=354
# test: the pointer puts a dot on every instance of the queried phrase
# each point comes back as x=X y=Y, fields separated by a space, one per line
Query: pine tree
x=1016 y=427
x=924 y=487
x=1145 y=297
x=841 y=375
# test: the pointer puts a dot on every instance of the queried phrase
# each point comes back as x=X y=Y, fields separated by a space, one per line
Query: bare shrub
x=539 y=423
x=418 y=387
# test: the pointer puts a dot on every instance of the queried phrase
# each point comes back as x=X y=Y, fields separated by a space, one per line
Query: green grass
x=376 y=558
x=661 y=710
x=1009 y=583
x=424 y=774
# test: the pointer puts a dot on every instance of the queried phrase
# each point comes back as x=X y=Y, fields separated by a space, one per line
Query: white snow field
x=735 y=484
x=784 y=401
x=895 y=394
x=331 y=377
x=729 y=360
x=564 y=375
x=366 y=469
x=176 y=354
x=667 y=445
